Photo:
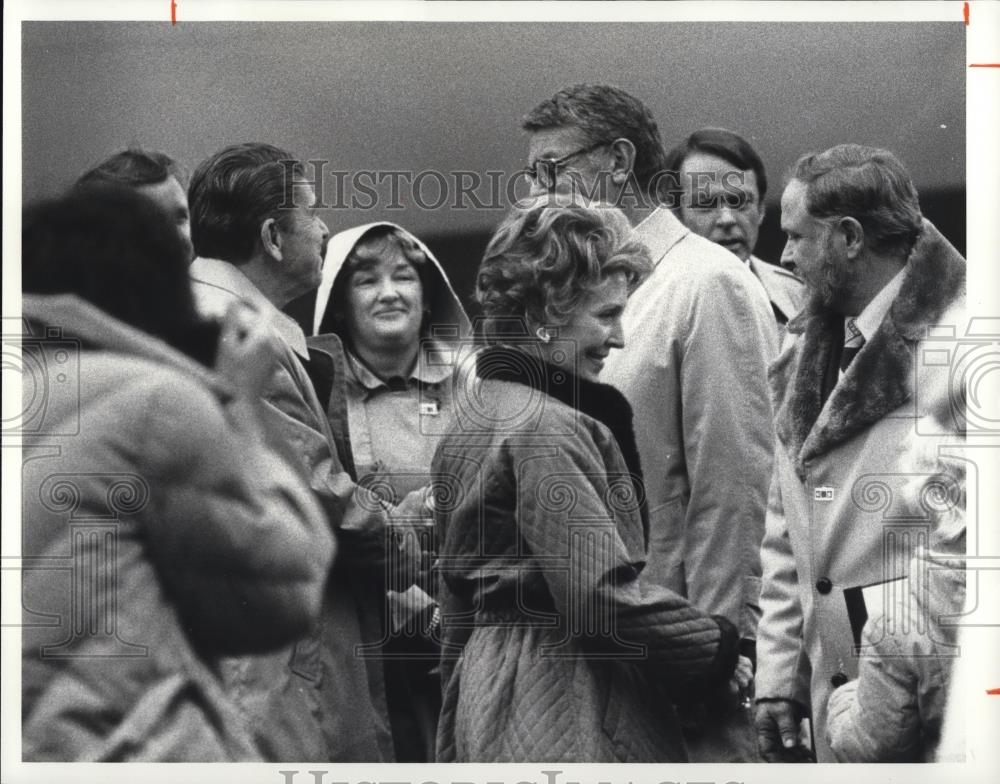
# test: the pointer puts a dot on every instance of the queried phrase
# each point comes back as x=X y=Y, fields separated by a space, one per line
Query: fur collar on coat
x=881 y=377
x=602 y=402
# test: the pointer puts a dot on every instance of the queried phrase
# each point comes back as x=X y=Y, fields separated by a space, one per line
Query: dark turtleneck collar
x=602 y=402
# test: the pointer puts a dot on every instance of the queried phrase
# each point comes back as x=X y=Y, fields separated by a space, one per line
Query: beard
x=836 y=279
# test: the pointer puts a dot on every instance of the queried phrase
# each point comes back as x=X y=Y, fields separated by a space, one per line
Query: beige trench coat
x=833 y=518
x=698 y=336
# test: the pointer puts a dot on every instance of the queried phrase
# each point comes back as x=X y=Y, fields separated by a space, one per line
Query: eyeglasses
x=545 y=170
x=734 y=200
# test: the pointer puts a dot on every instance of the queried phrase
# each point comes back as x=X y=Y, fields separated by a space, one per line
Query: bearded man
x=847 y=390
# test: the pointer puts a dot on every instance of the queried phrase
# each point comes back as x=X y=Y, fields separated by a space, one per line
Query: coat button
x=823 y=585
x=838 y=680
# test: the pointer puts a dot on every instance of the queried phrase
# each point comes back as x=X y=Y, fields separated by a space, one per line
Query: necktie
x=853 y=341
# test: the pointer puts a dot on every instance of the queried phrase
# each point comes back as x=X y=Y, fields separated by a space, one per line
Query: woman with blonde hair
x=554 y=646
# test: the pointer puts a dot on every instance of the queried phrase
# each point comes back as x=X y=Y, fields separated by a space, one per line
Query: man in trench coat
x=724 y=184
x=260 y=242
x=850 y=381
x=699 y=333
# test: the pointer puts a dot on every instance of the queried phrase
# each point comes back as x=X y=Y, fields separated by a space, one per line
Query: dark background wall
x=448 y=96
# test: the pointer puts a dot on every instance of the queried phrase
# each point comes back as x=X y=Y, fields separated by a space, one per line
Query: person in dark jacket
x=162 y=526
x=555 y=648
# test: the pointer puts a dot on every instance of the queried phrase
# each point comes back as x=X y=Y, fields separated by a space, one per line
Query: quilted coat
x=833 y=519
x=157 y=536
x=555 y=648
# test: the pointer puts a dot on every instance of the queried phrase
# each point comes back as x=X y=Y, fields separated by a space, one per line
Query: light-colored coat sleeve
x=876 y=718
x=237 y=536
x=728 y=438
x=782 y=668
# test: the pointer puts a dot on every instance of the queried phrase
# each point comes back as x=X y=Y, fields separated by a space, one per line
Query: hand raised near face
x=247 y=352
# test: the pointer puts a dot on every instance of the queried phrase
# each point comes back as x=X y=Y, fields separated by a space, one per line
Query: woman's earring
x=543 y=335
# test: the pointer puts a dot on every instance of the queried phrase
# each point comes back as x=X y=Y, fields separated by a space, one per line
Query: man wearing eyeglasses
x=724 y=184
x=699 y=333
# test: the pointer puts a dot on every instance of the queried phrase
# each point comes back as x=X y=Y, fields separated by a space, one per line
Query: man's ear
x=760 y=213
x=623 y=159
x=271 y=239
x=854 y=236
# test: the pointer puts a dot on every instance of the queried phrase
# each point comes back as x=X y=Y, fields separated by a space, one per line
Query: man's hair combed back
x=602 y=114
x=545 y=259
x=115 y=248
x=868 y=184
x=135 y=167
x=233 y=192
x=725 y=144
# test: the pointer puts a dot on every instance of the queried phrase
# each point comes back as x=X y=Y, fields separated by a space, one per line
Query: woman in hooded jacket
x=387 y=300
x=555 y=649
x=162 y=528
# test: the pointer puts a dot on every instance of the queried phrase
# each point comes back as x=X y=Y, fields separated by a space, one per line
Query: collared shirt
x=221 y=277
x=395 y=425
x=869 y=320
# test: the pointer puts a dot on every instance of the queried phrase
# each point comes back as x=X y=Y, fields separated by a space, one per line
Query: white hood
x=446 y=307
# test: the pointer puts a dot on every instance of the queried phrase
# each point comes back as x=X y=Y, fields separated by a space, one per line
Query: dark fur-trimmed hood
x=881 y=377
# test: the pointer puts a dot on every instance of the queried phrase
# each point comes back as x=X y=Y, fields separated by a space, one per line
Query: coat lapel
x=881 y=378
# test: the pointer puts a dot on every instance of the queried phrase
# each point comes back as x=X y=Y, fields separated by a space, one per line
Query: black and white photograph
x=541 y=386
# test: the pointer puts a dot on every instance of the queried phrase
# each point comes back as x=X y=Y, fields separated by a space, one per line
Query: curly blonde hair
x=544 y=260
